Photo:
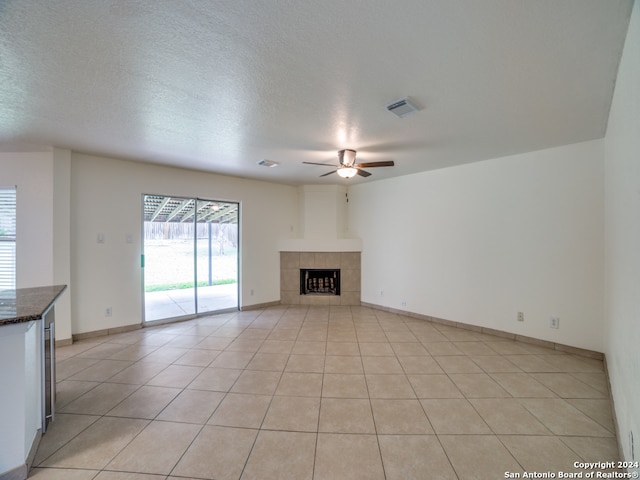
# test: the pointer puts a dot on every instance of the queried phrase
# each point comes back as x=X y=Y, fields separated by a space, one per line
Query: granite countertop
x=27 y=304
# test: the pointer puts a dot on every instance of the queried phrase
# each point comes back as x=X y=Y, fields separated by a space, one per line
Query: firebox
x=319 y=281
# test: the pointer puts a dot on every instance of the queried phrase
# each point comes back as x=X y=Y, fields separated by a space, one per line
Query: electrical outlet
x=404 y=303
x=382 y=293
x=554 y=322
x=521 y=316
x=108 y=312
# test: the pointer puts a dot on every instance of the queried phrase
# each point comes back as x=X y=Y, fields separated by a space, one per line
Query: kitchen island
x=27 y=374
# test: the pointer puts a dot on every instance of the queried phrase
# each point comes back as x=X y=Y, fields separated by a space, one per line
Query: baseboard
x=156 y=323
x=18 y=473
x=33 y=450
x=616 y=426
x=21 y=472
x=107 y=331
x=490 y=331
x=441 y=321
x=64 y=342
x=258 y=306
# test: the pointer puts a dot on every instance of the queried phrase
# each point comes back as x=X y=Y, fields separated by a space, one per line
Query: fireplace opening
x=319 y=281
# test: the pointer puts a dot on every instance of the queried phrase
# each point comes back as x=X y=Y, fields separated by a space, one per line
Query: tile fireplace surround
x=347 y=262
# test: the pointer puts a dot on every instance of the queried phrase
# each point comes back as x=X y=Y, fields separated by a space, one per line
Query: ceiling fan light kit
x=347 y=166
x=347 y=172
x=402 y=107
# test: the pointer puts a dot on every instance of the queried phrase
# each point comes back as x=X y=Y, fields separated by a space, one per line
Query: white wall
x=33 y=175
x=478 y=243
x=62 y=239
x=322 y=212
x=42 y=236
x=622 y=240
x=106 y=197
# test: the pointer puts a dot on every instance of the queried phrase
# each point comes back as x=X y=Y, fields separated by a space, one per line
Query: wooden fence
x=221 y=232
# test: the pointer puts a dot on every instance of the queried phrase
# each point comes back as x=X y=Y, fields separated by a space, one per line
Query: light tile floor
x=321 y=393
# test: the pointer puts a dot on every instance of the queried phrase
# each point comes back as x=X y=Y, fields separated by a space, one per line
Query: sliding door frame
x=234 y=208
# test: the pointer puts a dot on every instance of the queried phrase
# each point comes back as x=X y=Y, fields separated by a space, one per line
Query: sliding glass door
x=217 y=256
x=190 y=257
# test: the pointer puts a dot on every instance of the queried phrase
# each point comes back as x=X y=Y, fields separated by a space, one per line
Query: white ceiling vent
x=268 y=163
x=402 y=107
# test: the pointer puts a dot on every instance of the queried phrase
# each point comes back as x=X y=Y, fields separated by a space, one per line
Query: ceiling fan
x=347 y=167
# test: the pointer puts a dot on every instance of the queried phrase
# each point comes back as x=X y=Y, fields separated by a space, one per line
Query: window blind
x=7 y=237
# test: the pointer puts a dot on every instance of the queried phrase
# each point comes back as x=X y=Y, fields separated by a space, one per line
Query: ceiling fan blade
x=363 y=173
x=332 y=171
x=388 y=163
x=322 y=164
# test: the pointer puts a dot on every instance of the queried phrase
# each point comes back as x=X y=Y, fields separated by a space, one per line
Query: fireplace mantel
x=313 y=245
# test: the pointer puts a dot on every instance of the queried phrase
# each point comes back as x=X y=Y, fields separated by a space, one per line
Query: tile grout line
x=384 y=323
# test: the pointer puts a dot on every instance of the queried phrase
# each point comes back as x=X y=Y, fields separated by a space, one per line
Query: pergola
x=159 y=208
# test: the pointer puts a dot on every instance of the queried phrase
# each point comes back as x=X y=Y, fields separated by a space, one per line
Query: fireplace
x=321 y=241
x=346 y=281
x=316 y=281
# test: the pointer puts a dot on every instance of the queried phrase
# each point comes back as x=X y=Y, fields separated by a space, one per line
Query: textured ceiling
x=221 y=85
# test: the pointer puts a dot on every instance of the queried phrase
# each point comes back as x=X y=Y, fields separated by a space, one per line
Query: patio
x=180 y=302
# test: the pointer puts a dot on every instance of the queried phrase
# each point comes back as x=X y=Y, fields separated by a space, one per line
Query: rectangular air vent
x=402 y=107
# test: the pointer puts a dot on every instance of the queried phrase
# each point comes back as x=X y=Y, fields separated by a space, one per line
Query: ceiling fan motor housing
x=347 y=157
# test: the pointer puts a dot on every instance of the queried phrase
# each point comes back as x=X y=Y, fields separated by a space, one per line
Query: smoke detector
x=268 y=163
x=402 y=107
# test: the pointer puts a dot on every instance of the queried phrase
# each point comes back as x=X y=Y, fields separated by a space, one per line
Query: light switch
x=101 y=238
